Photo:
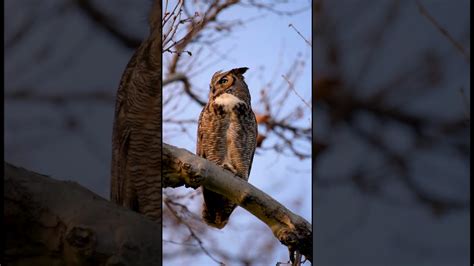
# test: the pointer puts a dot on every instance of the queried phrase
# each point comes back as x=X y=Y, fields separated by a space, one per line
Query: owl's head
x=231 y=82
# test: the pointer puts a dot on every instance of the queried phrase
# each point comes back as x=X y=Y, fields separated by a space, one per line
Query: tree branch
x=443 y=31
x=105 y=22
x=184 y=168
x=187 y=86
x=51 y=222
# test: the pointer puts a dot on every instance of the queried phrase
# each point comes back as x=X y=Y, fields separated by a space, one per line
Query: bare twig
x=191 y=231
x=187 y=86
x=301 y=35
x=443 y=31
x=271 y=7
x=294 y=90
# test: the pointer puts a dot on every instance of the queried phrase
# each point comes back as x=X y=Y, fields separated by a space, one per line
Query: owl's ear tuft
x=240 y=70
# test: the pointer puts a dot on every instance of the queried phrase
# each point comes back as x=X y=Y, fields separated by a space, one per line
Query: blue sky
x=268 y=46
x=258 y=46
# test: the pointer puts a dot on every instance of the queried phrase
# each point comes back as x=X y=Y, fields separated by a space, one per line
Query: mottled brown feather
x=136 y=138
x=227 y=138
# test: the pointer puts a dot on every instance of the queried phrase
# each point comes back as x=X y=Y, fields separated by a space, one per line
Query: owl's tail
x=216 y=209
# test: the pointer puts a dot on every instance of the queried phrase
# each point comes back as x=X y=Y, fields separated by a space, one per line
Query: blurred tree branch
x=107 y=24
x=442 y=30
x=349 y=106
x=75 y=230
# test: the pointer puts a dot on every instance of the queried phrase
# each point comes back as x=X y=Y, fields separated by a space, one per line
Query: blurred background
x=391 y=125
x=63 y=63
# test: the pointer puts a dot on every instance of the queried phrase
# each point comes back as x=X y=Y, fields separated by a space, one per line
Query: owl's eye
x=223 y=81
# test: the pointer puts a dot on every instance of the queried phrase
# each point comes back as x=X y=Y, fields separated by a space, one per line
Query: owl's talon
x=229 y=168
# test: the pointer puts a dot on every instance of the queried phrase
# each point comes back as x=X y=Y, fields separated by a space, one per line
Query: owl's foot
x=229 y=167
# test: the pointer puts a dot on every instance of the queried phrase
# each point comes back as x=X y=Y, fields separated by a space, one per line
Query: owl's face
x=230 y=82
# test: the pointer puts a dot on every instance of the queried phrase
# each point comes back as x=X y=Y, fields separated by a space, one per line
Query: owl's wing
x=120 y=142
x=253 y=120
x=200 y=133
x=120 y=169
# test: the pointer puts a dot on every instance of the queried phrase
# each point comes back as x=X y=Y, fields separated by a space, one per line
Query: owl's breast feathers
x=227 y=134
x=136 y=137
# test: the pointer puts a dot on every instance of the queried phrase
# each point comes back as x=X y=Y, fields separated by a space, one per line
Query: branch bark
x=51 y=222
x=181 y=167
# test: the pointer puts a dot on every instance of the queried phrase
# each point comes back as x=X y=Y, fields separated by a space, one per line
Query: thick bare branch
x=184 y=168
x=51 y=222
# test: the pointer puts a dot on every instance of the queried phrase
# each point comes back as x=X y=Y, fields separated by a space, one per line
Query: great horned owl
x=227 y=133
x=136 y=140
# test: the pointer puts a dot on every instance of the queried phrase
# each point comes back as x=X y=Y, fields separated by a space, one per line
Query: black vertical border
x=313 y=102
x=160 y=5
x=2 y=224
